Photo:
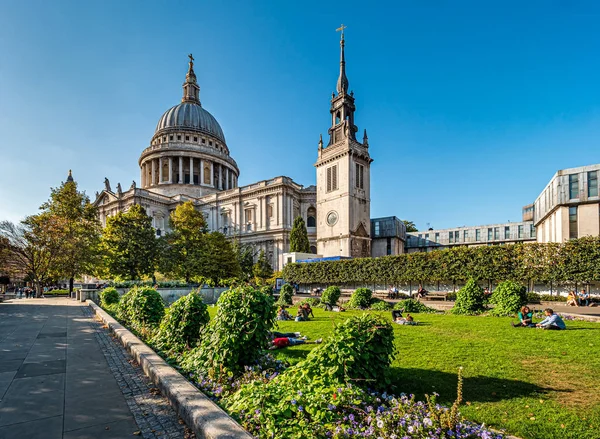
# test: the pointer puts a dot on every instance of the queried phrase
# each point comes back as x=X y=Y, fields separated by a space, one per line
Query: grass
x=533 y=383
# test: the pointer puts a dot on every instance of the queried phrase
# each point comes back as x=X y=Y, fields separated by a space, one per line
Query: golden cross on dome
x=341 y=29
x=191 y=57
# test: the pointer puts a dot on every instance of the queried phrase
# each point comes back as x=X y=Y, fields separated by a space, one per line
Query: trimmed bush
x=142 y=308
x=508 y=297
x=267 y=290
x=551 y=298
x=109 y=296
x=380 y=305
x=331 y=295
x=533 y=298
x=469 y=299
x=183 y=321
x=237 y=336
x=312 y=301
x=361 y=298
x=285 y=295
x=414 y=306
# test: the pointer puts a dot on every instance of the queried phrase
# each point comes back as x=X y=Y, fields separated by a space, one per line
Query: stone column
x=259 y=220
x=160 y=174
x=212 y=174
x=142 y=175
x=170 y=170
x=191 y=170
x=201 y=172
x=279 y=211
x=220 y=177
x=227 y=185
x=180 y=170
x=152 y=172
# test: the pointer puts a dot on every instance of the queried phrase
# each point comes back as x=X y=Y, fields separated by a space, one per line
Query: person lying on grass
x=397 y=318
x=525 y=318
x=552 y=321
x=283 y=342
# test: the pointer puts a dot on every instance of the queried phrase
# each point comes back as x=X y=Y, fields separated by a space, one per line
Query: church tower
x=343 y=179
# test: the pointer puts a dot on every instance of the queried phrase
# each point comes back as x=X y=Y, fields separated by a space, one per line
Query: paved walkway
x=62 y=376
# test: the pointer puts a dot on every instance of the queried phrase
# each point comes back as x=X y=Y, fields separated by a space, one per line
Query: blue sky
x=470 y=107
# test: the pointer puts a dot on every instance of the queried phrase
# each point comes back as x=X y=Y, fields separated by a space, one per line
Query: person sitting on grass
x=301 y=315
x=572 y=299
x=283 y=315
x=308 y=311
x=552 y=321
x=283 y=342
x=525 y=318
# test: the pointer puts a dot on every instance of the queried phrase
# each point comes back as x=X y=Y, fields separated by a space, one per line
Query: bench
x=436 y=295
x=7 y=296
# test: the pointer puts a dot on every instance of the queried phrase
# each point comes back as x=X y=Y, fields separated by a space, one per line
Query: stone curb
x=200 y=414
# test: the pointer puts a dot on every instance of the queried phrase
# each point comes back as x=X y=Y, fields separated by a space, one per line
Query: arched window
x=313 y=249
x=311 y=217
x=337 y=118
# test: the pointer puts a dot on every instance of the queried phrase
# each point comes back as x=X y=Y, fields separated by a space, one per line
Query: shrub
x=141 y=307
x=183 y=321
x=551 y=298
x=414 y=306
x=361 y=298
x=331 y=295
x=361 y=349
x=267 y=289
x=508 y=297
x=285 y=295
x=312 y=301
x=533 y=298
x=380 y=305
x=237 y=336
x=451 y=296
x=469 y=299
x=109 y=296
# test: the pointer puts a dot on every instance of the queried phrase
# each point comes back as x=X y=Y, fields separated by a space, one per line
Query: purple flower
x=293 y=402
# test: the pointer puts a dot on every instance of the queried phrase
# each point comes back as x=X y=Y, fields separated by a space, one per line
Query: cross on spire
x=341 y=29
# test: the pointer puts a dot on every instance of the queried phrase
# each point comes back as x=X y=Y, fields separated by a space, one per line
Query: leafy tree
x=361 y=298
x=129 y=245
x=299 y=237
x=245 y=257
x=76 y=227
x=183 y=249
x=262 y=270
x=508 y=297
x=410 y=226
x=286 y=295
x=28 y=248
x=331 y=295
x=218 y=258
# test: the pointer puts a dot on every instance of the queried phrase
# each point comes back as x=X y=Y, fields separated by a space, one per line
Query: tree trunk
x=70 y=286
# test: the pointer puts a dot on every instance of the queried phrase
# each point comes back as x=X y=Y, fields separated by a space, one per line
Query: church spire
x=191 y=90
x=70 y=177
x=342 y=83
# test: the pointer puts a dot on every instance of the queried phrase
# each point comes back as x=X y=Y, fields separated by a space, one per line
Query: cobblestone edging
x=152 y=412
x=201 y=414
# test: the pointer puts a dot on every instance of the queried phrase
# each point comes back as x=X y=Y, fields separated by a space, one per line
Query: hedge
x=573 y=261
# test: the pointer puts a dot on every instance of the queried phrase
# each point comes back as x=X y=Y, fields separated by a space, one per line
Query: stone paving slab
x=62 y=376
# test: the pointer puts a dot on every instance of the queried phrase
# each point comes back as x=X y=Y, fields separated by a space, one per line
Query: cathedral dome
x=191 y=116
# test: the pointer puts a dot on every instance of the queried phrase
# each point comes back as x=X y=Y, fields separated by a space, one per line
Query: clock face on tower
x=332 y=218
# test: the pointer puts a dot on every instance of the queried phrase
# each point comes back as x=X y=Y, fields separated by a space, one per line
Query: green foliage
x=245 y=256
x=218 y=260
x=331 y=295
x=148 y=283
x=359 y=350
x=410 y=226
x=360 y=299
x=414 y=306
x=180 y=328
x=469 y=299
x=109 y=296
x=299 y=237
x=508 y=298
x=312 y=301
x=380 y=305
x=142 y=308
x=267 y=289
x=76 y=227
x=552 y=298
x=182 y=249
x=129 y=246
x=262 y=270
x=285 y=295
x=451 y=297
x=238 y=334
x=533 y=297
x=547 y=263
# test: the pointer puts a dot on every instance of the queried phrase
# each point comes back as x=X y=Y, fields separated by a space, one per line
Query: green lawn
x=533 y=383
